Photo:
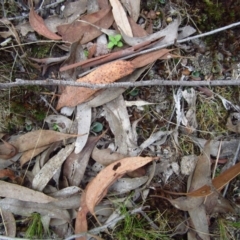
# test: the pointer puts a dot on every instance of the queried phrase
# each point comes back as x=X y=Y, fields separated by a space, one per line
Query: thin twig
x=53 y=82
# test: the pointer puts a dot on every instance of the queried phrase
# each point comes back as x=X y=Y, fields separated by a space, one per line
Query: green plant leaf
x=97 y=127
x=110 y=45
x=120 y=44
x=86 y=53
x=111 y=38
x=118 y=37
x=134 y=92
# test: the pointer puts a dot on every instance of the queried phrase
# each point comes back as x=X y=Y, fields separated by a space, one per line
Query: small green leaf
x=97 y=127
x=118 y=37
x=110 y=45
x=86 y=53
x=111 y=38
x=134 y=92
x=120 y=44
x=196 y=74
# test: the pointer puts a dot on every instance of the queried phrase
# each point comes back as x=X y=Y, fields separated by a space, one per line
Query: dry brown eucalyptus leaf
x=108 y=73
x=77 y=30
x=38 y=138
x=15 y=191
x=39 y=26
x=97 y=188
x=7 y=150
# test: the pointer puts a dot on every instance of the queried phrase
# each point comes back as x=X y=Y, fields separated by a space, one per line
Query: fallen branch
x=53 y=82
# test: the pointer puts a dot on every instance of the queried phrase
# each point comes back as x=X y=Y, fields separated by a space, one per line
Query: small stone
x=188 y=164
x=169 y=20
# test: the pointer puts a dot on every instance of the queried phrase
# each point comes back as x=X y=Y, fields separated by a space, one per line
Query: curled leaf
x=39 y=26
x=98 y=187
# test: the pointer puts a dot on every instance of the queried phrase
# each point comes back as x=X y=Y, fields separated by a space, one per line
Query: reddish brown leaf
x=218 y=183
x=147 y=58
x=97 y=188
x=137 y=30
x=108 y=73
x=7 y=173
x=79 y=30
x=81 y=219
x=39 y=26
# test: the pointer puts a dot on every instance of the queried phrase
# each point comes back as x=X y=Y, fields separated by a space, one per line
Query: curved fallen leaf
x=7 y=150
x=108 y=73
x=9 y=223
x=51 y=167
x=39 y=26
x=38 y=138
x=120 y=17
x=15 y=191
x=98 y=187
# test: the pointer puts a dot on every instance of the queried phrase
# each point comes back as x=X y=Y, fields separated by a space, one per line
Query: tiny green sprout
x=97 y=127
x=55 y=127
x=115 y=41
x=86 y=53
x=134 y=92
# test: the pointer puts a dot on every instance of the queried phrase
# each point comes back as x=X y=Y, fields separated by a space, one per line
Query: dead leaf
x=124 y=185
x=75 y=165
x=218 y=182
x=195 y=207
x=7 y=150
x=97 y=188
x=169 y=33
x=147 y=58
x=7 y=173
x=12 y=30
x=105 y=58
x=51 y=167
x=133 y=8
x=83 y=118
x=117 y=116
x=81 y=224
x=29 y=154
x=39 y=26
x=10 y=190
x=24 y=208
x=106 y=156
x=77 y=30
x=108 y=73
x=38 y=138
x=120 y=17
x=9 y=223
x=233 y=127
x=107 y=95
x=137 y=30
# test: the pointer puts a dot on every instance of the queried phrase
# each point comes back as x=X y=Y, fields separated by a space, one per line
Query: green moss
x=41 y=51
